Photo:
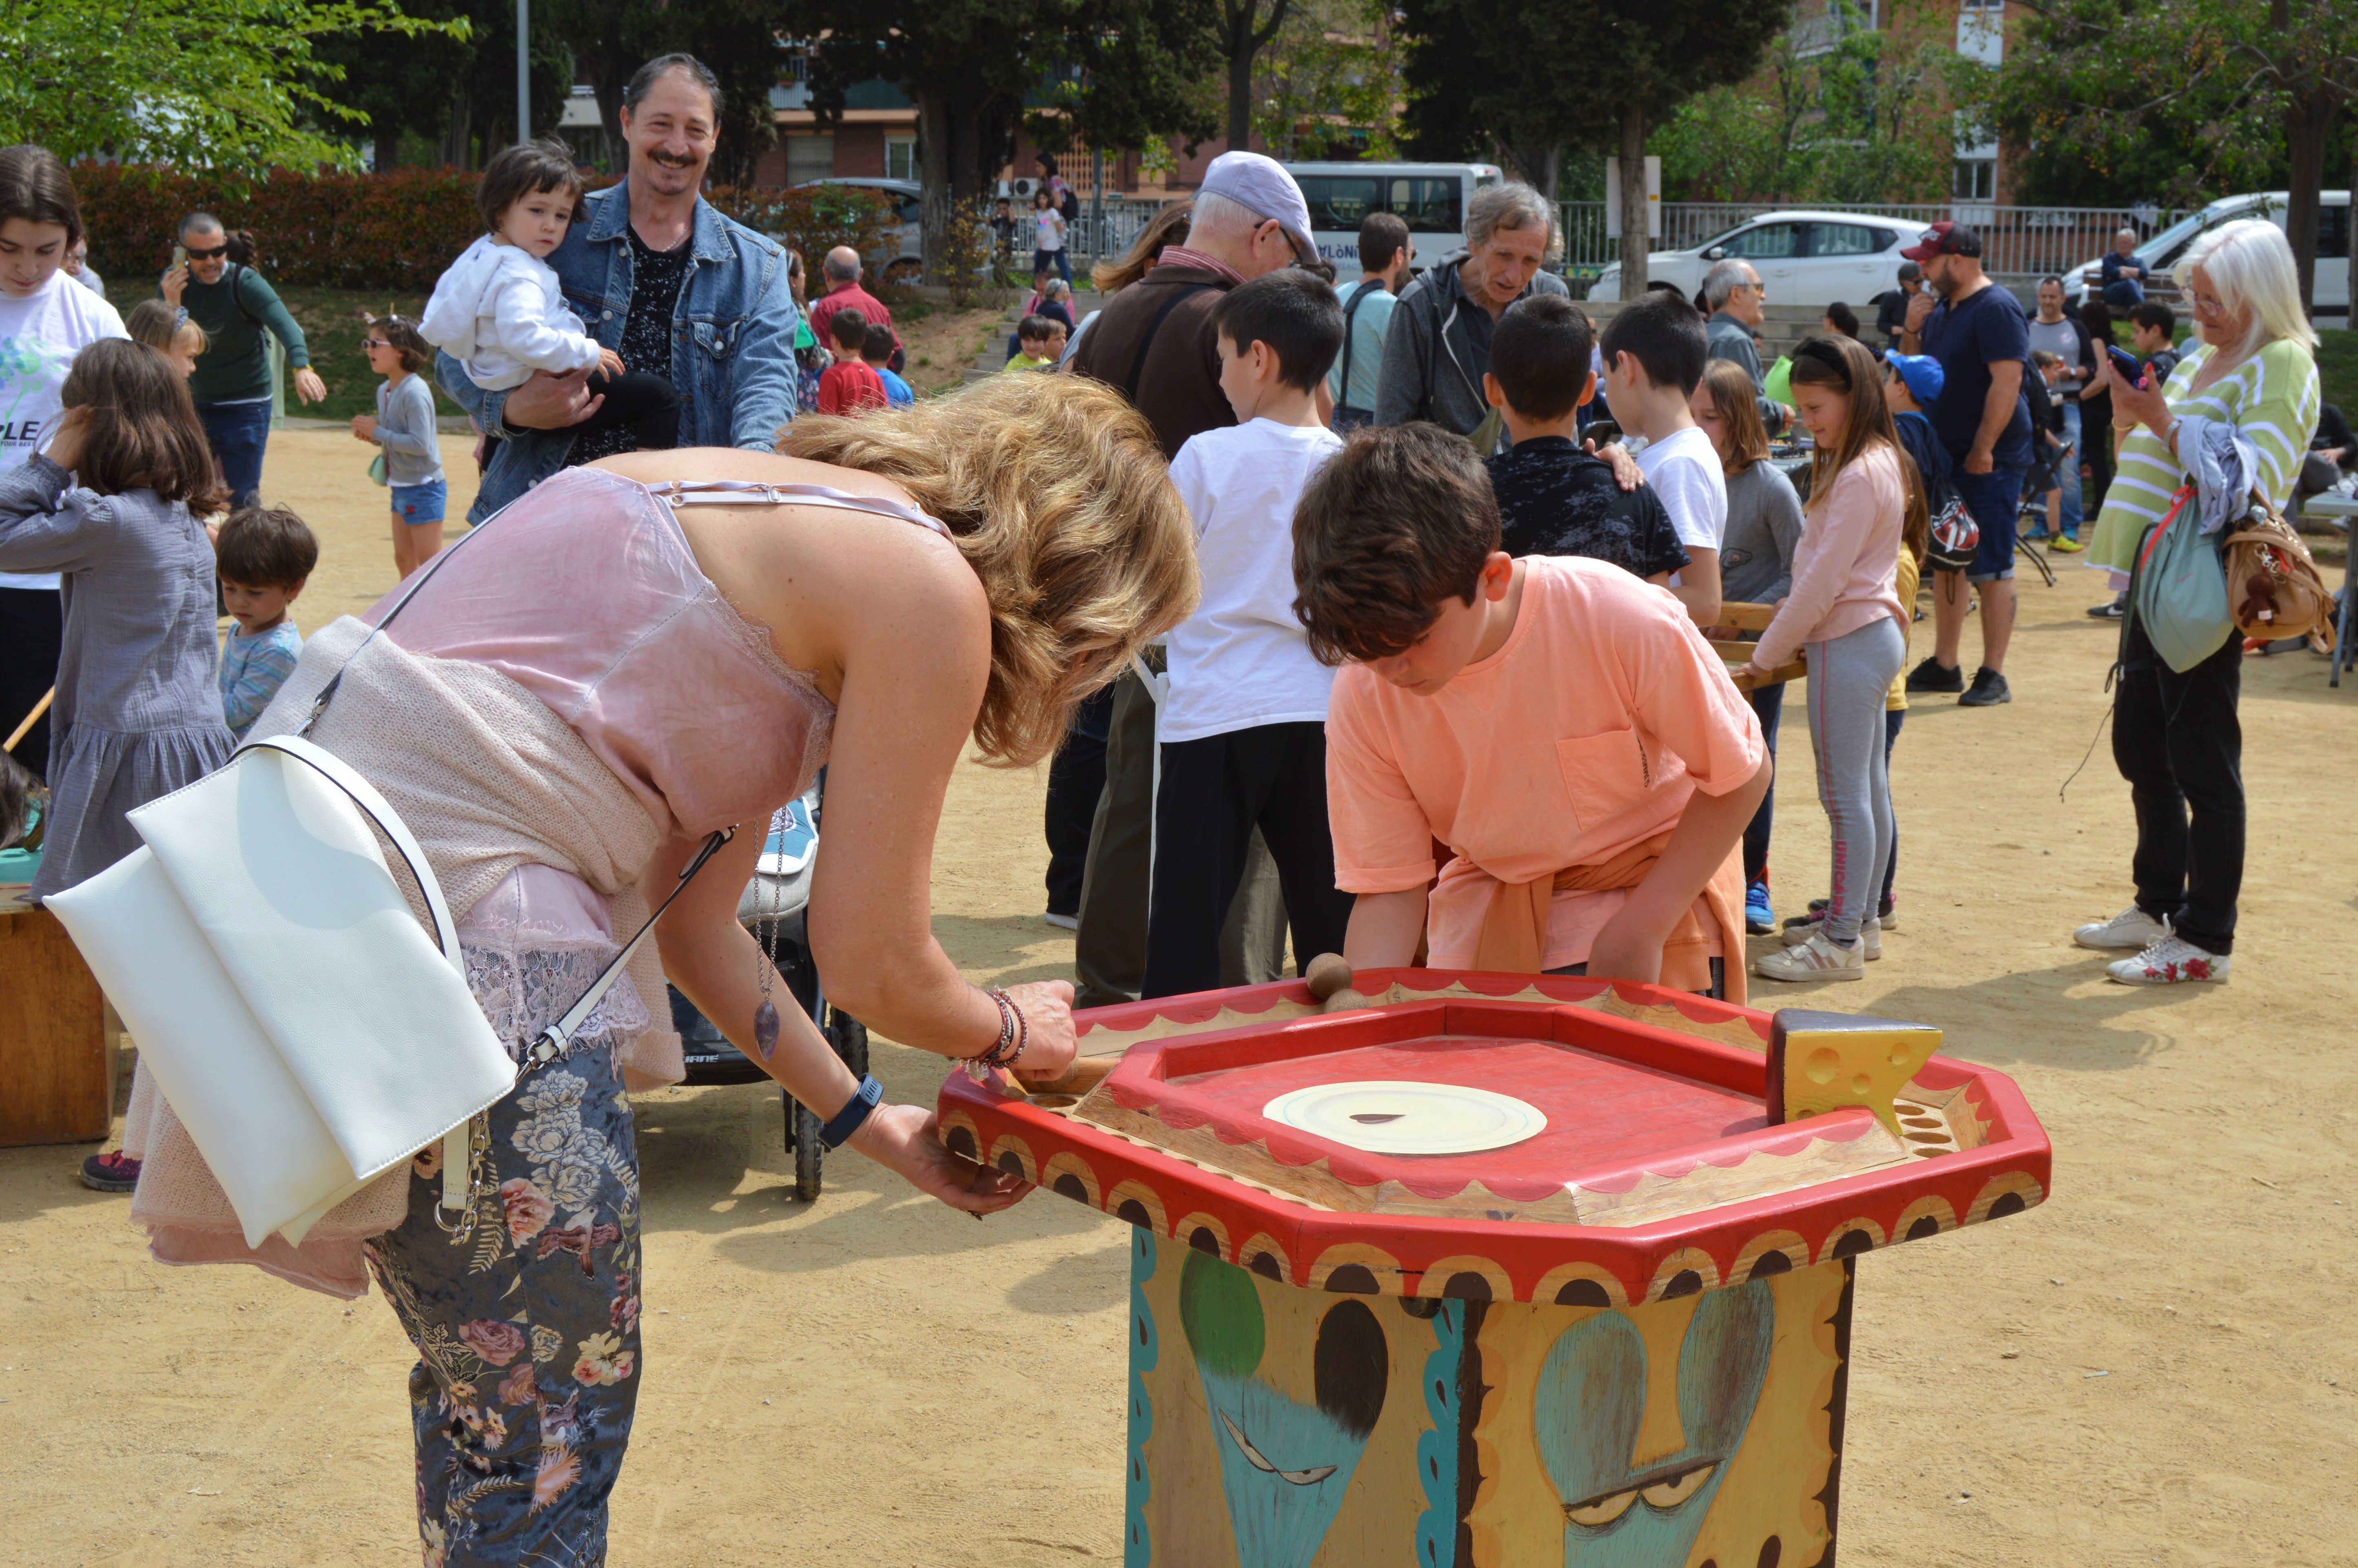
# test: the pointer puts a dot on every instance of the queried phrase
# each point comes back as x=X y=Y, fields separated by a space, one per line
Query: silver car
x=903 y=256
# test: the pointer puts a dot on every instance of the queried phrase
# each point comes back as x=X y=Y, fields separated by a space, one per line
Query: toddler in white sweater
x=500 y=308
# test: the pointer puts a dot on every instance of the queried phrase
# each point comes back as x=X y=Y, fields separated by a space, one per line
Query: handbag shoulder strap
x=1137 y=364
x=1350 y=311
x=550 y=1042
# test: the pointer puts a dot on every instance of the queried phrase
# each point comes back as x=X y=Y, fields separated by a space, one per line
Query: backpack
x=2177 y=587
x=2273 y=587
x=1955 y=536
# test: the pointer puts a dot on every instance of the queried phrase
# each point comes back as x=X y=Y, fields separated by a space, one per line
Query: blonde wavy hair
x=1057 y=496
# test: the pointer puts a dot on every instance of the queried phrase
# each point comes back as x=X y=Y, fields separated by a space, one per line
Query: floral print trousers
x=526 y=1316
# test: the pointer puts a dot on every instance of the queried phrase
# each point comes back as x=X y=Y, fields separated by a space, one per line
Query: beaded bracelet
x=1015 y=1033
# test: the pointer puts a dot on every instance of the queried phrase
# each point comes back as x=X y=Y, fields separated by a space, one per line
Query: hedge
x=393 y=231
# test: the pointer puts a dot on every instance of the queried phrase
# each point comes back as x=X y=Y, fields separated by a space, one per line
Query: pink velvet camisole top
x=584 y=592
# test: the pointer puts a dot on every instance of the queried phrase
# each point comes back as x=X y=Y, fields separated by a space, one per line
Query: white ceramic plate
x=1385 y=1116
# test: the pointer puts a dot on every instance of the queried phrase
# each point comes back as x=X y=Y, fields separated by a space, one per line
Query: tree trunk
x=2308 y=125
x=1635 y=252
x=388 y=148
x=1240 y=63
x=933 y=180
x=1551 y=171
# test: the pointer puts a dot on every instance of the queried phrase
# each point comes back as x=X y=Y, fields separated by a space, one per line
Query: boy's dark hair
x=143 y=432
x=1292 y=311
x=526 y=169
x=1665 y=334
x=1540 y=352
x=1036 y=328
x=265 y=547
x=1400 y=520
x=1382 y=236
x=2154 y=314
x=876 y=347
x=402 y=334
x=847 y=328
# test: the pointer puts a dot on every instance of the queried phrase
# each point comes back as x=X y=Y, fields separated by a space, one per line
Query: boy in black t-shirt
x=1553 y=498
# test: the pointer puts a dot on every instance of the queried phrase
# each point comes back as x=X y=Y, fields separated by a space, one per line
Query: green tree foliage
x=234 y=83
x=2195 y=94
x=455 y=90
x=1548 y=75
x=1330 y=81
x=1865 y=119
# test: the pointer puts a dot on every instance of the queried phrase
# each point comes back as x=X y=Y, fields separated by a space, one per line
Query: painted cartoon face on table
x=1284 y=1466
x=1636 y=1442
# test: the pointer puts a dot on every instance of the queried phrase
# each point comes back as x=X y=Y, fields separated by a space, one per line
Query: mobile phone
x=2124 y=364
x=180 y=255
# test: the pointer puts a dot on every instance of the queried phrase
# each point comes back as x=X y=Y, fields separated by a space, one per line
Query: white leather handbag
x=304 y=1028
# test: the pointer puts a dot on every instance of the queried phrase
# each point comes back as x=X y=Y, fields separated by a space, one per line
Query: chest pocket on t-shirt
x=1604 y=773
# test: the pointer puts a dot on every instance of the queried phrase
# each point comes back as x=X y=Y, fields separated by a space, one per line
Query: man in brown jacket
x=1154 y=341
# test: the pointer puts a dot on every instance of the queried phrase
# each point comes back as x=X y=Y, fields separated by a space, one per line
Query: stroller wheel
x=802 y=1137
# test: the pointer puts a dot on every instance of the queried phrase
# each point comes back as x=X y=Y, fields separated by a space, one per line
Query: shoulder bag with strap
x=2177 y=587
x=307 y=1030
x=2274 y=589
x=1348 y=417
x=1137 y=364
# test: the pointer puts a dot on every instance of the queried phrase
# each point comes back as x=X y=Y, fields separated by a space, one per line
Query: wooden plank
x=1739 y=616
x=56 y=1082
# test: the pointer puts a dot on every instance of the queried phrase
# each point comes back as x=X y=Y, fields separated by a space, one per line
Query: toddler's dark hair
x=1295 y=313
x=265 y=547
x=402 y=334
x=1665 y=334
x=877 y=348
x=847 y=328
x=1399 y=521
x=1540 y=353
x=526 y=169
x=143 y=431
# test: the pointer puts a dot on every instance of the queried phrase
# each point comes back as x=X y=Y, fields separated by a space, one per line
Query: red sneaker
x=113 y=1172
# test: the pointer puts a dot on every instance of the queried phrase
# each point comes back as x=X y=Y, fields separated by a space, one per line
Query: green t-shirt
x=234 y=367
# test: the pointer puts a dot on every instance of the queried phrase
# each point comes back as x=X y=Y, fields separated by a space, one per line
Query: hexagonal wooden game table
x=1500 y=1271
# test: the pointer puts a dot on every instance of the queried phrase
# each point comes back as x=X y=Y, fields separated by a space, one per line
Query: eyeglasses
x=219 y=250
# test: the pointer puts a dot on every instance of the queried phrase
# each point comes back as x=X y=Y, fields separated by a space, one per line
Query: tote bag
x=2178 y=591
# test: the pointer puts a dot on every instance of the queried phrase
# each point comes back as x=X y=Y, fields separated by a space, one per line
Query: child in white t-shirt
x=1654 y=352
x=1243 y=727
x=500 y=309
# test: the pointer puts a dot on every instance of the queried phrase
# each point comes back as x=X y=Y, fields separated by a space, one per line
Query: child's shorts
x=416 y=503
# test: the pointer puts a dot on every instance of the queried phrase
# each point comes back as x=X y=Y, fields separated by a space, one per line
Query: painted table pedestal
x=1621 y=1340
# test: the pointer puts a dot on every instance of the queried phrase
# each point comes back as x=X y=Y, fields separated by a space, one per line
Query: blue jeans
x=238 y=432
x=2067 y=471
x=2123 y=294
x=1893 y=718
x=1995 y=499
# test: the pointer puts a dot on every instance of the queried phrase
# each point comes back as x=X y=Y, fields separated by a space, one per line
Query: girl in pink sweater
x=1844 y=615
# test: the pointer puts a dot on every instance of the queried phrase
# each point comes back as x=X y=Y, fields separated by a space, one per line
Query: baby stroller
x=772 y=907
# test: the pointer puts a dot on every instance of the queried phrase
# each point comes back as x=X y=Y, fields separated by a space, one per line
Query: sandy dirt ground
x=2155 y=1368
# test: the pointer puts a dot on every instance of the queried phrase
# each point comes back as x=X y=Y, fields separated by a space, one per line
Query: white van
x=2330 y=279
x=1430 y=198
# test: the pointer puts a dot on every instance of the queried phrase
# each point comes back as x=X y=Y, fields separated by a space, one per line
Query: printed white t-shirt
x=38 y=339
x=1684 y=470
x=1242 y=659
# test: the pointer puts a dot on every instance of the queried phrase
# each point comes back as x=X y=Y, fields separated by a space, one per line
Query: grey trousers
x=1109 y=949
x=1848 y=679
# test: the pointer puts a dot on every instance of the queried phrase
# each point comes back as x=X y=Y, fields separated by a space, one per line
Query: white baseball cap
x=1261 y=187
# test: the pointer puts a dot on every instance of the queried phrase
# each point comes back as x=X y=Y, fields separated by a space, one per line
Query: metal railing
x=2020 y=243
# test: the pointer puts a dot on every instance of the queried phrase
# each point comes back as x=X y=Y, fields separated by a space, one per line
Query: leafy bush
x=395 y=231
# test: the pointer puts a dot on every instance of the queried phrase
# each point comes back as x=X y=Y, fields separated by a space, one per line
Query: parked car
x=1430 y=198
x=905 y=253
x=1803 y=257
x=2161 y=252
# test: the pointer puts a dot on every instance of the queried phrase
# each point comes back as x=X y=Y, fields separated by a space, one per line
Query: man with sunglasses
x=1978 y=334
x=223 y=295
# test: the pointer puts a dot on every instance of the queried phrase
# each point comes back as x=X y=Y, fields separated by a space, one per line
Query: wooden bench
x=1747 y=622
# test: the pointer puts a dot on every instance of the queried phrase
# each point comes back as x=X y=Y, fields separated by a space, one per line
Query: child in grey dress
x=109 y=505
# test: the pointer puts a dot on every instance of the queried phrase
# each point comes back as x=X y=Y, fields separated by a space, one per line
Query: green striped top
x=2272 y=398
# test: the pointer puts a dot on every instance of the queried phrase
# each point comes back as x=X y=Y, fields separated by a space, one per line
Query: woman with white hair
x=2176 y=737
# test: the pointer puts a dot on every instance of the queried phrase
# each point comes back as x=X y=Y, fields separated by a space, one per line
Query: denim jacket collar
x=609 y=213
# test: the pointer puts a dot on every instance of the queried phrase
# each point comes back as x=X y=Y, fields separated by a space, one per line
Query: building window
x=900 y=158
x=809 y=157
x=1975 y=179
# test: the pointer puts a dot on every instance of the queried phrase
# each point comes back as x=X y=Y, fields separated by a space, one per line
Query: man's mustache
x=672 y=161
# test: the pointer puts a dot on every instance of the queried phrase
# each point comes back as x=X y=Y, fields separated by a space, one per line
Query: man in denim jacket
x=727 y=342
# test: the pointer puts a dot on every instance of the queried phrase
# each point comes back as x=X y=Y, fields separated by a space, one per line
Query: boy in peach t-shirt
x=1561 y=726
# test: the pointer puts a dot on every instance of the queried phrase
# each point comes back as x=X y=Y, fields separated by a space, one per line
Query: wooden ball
x=1326 y=975
x=1346 y=999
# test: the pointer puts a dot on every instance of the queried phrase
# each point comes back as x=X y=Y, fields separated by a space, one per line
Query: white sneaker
x=1870 y=931
x=1818 y=959
x=2171 y=961
x=1063 y=921
x=2132 y=930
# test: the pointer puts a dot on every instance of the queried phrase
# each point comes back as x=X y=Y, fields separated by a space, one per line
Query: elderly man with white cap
x=1155 y=341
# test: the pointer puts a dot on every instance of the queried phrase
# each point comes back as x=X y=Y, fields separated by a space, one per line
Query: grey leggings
x=1848 y=679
